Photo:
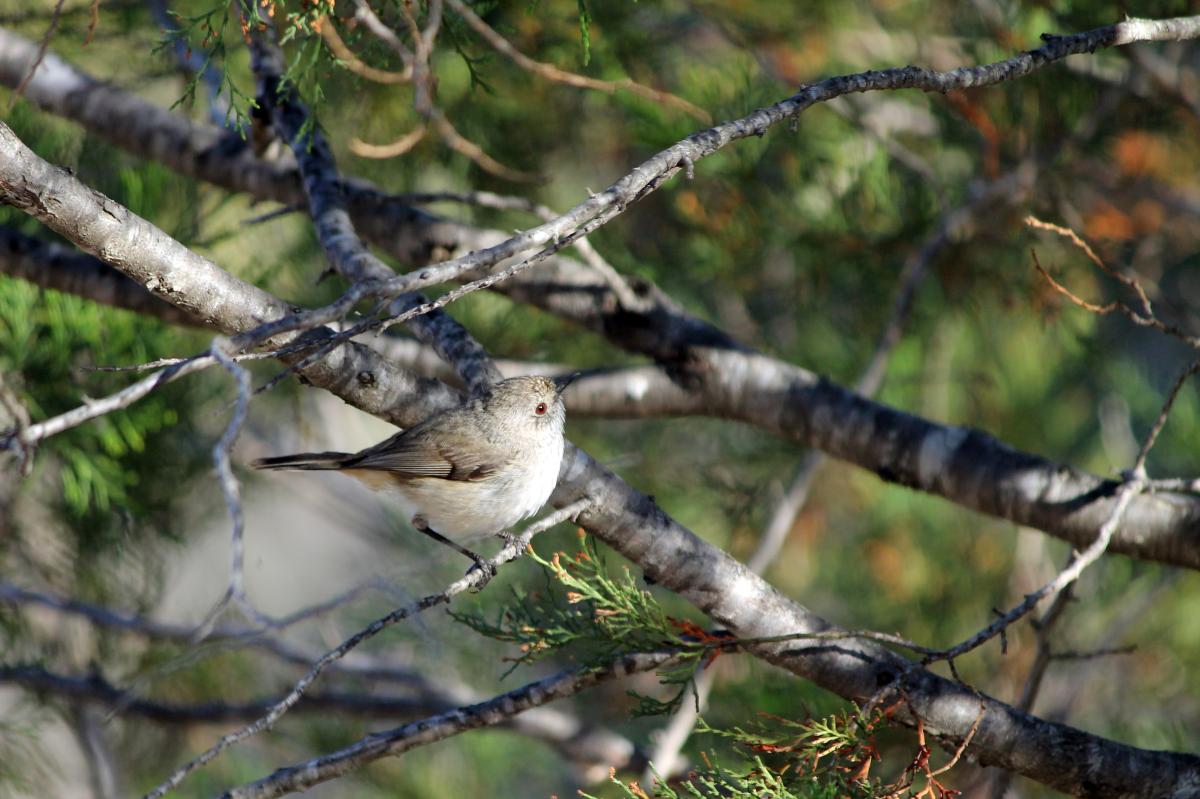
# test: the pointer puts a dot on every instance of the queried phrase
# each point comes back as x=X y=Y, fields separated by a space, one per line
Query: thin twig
x=93 y=409
x=231 y=491
x=55 y=18
x=1145 y=317
x=1139 y=465
x=1125 y=493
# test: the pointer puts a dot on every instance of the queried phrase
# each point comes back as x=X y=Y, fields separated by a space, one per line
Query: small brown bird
x=471 y=470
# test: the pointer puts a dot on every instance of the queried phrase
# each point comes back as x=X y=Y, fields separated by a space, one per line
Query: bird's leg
x=422 y=526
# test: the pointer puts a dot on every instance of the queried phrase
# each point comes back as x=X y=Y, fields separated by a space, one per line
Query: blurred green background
x=793 y=243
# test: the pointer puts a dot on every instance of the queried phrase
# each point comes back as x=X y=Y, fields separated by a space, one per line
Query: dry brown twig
x=1145 y=317
x=557 y=75
x=934 y=789
x=350 y=61
x=93 y=21
x=55 y=18
x=420 y=72
x=393 y=149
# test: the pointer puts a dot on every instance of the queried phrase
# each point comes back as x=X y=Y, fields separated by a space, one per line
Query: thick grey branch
x=1062 y=757
x=963 y=465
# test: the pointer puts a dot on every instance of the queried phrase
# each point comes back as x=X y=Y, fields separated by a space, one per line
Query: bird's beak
x=562 y=381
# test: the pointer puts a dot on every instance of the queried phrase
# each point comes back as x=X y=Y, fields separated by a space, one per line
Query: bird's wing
x=414 y=454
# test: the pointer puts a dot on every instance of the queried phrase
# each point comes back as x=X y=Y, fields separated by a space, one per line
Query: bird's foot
x=487 y=567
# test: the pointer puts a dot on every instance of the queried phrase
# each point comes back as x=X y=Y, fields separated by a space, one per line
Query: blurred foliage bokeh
x=793 y=243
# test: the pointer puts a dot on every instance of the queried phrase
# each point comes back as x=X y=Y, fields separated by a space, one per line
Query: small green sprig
x=209 y=27
x=599 y=617
x=784 y=758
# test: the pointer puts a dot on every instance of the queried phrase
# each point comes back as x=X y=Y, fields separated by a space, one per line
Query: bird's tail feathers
x=304 y=460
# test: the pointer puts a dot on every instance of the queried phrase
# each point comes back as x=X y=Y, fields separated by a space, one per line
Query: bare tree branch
x=95 y=688
x=438 y=728
x=231 y=489
x=192 y=283
x=963 y=465
x=54 y=266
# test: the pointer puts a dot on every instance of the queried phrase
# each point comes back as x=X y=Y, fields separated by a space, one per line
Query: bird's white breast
x=472 y=508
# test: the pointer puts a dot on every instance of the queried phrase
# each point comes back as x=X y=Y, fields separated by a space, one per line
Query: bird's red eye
x=540 y=410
